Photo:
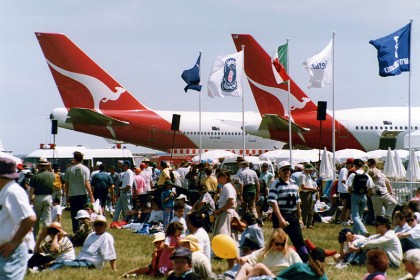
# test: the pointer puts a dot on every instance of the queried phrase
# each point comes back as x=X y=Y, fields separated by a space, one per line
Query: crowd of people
x=180 y=206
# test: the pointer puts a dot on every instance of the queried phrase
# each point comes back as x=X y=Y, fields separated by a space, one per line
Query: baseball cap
x=100 y=219
x=284 y=164
x=350 y=161
x=182 y=252
x=309 y=166
x=126 y=162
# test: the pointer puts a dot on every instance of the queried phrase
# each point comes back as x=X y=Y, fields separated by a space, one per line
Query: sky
x=145 y=45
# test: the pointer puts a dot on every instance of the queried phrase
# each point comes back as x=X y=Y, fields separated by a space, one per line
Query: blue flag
x=192 y=76
x=394 y=52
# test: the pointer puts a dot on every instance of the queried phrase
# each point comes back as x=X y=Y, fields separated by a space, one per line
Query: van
x=64 y=155
x=230 y=164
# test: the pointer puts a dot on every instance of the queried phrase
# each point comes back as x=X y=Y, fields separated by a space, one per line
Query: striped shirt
x=65 y=249
x=285 y=194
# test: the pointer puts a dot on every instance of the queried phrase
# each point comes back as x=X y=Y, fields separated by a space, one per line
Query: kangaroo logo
x=98 y=90
x=282 y=97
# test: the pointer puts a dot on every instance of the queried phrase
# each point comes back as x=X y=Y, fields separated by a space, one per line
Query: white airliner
x=97 y=104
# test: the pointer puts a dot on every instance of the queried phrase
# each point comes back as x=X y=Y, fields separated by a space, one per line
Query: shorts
x=347 y=197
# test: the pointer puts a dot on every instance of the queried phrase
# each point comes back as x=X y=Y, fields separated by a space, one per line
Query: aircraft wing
x=276 y=122
x=91 y=117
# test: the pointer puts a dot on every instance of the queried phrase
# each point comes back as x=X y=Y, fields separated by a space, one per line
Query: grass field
x=134 y=250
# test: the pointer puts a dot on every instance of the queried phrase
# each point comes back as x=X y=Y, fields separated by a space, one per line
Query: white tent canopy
x=213 y=155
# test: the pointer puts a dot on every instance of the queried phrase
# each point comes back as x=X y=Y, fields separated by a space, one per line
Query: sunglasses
x=280 y=243
x=285 y=170
x=410 y=220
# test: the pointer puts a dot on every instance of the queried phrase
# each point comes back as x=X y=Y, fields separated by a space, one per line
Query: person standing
x=342 y=190
x=124 y=199
x=285 y=201
x=16 y=220
x=101 y=183
x=382 y=194
x=225 y=211
x=249 y=189
x=40 y=192
x=360 y=185
x=77 y=187
x=307 y=190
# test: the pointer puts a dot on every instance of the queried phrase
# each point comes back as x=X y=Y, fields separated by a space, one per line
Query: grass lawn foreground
x=134 y=250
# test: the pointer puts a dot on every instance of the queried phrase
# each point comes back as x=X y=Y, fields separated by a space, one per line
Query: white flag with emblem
x=320 y=67
x=226 y=76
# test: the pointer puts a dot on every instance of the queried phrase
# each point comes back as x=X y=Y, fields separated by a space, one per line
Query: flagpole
x=243 y=102
x=333 y=103
x=409 y=98
x=288 y=105
x=199 y=117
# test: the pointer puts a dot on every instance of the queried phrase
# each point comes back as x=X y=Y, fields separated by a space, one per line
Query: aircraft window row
x=385 y=127
x=213 y=133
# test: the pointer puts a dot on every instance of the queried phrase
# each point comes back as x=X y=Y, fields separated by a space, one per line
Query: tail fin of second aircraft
x=271 y=98
x=80 y=81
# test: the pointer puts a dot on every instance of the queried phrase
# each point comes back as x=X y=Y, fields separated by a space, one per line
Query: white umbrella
x=377 y=154
x=16 y=159
x=343 y=155
x=399 y=166
x=390 y=169
x=413 y=169
x=212 y=155
x=326 y=169
x=297 y=156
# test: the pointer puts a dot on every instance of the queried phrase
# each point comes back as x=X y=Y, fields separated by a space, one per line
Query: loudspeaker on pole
x=175 y=122
x=53 y=126
x=322 y=111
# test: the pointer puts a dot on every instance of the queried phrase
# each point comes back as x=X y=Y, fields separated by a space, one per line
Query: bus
x=62 y=156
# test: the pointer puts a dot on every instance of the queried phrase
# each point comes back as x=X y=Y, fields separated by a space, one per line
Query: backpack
x=360 y=183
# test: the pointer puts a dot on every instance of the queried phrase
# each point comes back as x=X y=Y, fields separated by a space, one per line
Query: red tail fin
x=271 y=98
x=80 y=81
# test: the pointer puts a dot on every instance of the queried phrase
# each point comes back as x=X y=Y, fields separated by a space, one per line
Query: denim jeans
x=358 y=205
x=74 y=264
x=14 y=266
x=123 y=204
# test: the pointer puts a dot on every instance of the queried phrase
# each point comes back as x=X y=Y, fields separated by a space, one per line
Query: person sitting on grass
x=84 y=228
x=313 y=270
x=376 y=265
x=411 y=238
x=151 y=269
x=51 y=245
x=346 y=238
x=172 y=234
x=274 y=257
x=385 y=239
x=182 y=264
x=252 y=231
x=97 y=249
x=200 y=263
